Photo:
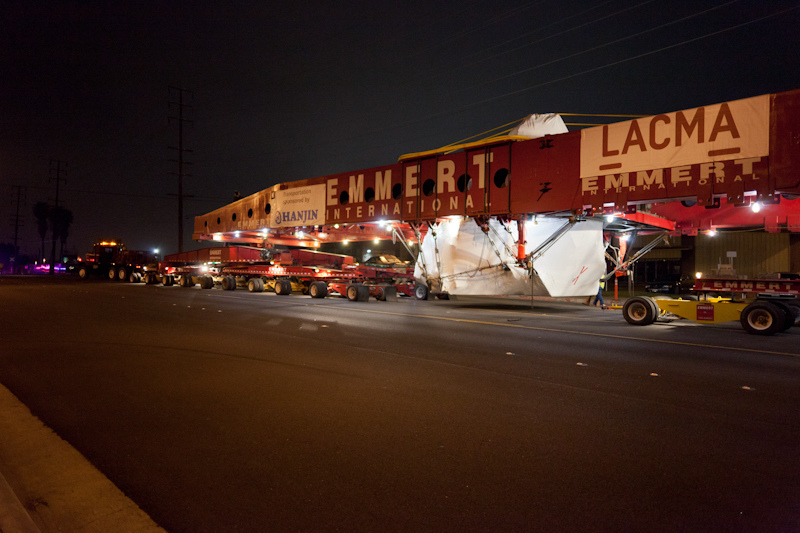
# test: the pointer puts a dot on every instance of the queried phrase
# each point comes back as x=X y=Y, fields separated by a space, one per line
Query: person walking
x=599 y=297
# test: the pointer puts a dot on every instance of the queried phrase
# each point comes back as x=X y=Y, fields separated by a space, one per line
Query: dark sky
x=293 y=90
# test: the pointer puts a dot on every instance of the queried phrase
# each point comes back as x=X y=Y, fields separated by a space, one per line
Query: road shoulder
x=53 y=483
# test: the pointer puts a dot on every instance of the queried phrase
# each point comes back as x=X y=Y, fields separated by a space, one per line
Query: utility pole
x=58 y=179
x=181 y=162
x=17 y=221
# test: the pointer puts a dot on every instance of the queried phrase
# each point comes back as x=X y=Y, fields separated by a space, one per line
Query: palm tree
x=61 y=218
x=41 y=210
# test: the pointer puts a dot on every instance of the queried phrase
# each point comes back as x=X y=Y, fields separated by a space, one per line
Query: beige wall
x=757 y=253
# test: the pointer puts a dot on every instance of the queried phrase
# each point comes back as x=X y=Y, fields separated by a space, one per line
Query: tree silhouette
x=41 y=210
x=61 y=219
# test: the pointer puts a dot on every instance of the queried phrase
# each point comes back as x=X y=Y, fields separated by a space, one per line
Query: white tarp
x=473 y=262
x=539 y=125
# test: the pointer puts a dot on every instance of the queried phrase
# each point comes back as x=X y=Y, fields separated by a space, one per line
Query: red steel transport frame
x=744 y=151
x=310 y=272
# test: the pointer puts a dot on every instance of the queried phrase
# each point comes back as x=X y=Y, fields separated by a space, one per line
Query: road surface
x=235 y=411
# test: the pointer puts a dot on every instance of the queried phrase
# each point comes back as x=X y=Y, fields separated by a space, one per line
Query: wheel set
x=641 y=311
x=764 y=317
x=354 y=291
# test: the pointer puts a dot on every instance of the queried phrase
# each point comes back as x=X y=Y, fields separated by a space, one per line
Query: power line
x=638 y=56
x=598 y=47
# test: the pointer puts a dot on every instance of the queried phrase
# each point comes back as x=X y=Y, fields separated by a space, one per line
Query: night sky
x=280 y=91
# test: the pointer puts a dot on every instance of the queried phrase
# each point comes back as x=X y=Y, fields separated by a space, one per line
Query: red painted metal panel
x=369 y=194
x=426 y=189
x=499 y=174
x=785 y=141
x=450 y=198
x=764 y=286
x=728 y=215
x=411 y=185
x=478 y=160
x=544 y=174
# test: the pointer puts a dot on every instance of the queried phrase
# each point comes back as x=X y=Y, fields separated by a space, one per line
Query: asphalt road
x=234 y=411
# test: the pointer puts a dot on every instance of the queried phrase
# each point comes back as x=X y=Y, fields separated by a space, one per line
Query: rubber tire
x=83 y=272
x=389 y=294
x=283 y=287
x=112 y=273
x=135 y=277
x=421 y=292
x=794 y=307
x=167 y=280
x=255 y=285
x=352 y=292
x=788 y=315
x=639 y=311
x=206 y=282
x=762 y=318
x=318 y=289
x=356 y=292
x=122 y=273
x=187 y=281
x=656 y=308
x=228 y=283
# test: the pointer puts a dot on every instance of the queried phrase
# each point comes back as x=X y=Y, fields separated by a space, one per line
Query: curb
x=63 y=490
x=13 y=516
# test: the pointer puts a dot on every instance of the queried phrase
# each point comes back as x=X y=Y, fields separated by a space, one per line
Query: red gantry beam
x=746 y=151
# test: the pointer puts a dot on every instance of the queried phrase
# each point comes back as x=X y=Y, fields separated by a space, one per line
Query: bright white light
x=336 y=226
x=698 y=275
x=218 y=236
x=756 y=207
x=345 y=241
x=299 y=234
x=624 y=237
x=236 y=234
x=712 y=233
x=377 y=241
x=369 y=251
x=204 y=268
x=610 y=218
x=155 y=250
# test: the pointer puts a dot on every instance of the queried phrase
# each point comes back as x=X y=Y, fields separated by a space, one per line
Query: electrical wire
x=613 y=63
x=599 y=47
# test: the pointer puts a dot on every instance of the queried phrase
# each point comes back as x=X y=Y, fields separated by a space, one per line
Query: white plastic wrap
x=539 y=125
x=459 y=258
